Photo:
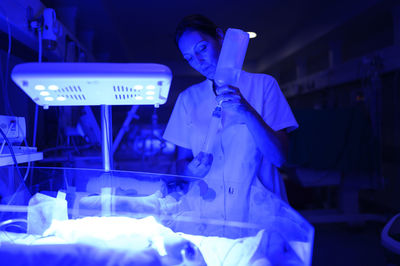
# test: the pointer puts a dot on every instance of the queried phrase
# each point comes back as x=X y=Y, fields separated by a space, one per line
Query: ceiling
x=143 y=31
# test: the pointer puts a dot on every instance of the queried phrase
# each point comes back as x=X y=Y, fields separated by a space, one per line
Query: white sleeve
x=178 y=127
x=276 y=111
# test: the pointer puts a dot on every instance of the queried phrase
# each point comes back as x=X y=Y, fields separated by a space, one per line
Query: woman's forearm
x=273 y=144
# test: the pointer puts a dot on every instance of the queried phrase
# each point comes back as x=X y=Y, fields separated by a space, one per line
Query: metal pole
x=125 y=127
x=106 y=135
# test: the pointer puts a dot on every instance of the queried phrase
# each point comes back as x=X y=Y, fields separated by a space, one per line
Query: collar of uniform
x=209 y=88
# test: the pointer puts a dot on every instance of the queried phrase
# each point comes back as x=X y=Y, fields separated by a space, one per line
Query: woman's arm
x=273 y=144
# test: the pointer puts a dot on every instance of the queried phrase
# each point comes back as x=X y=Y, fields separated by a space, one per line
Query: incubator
x=124 y=217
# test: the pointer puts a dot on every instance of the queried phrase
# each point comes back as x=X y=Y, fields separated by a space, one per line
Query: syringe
x=212 y=130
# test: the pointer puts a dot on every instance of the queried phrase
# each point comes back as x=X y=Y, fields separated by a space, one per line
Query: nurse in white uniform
x=251 y=142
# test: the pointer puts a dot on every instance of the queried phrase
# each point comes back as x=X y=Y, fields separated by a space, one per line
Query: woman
x=251 y=143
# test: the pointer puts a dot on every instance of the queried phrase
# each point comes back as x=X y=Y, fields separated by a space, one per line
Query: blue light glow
x=138 y=87
x=150 y=87
x=53 y=87
x=39 y=87
x=252 y=35
x=49 y=99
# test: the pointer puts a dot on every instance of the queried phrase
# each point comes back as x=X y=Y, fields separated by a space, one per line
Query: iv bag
x=231 y=58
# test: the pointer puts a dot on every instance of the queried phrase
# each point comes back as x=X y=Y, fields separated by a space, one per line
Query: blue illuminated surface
x=283 y=235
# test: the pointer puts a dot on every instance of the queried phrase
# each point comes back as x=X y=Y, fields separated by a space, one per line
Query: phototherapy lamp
x=104 y=84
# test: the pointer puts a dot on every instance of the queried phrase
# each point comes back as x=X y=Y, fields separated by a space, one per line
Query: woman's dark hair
x=196 y=22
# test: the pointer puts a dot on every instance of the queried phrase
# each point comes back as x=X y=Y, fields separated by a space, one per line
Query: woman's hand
x=232 y=101
x=200 y=165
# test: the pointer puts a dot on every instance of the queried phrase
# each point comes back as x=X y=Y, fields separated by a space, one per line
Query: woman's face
x=201 y=51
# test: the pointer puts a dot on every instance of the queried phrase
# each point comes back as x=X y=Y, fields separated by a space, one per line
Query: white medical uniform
x=237 y=162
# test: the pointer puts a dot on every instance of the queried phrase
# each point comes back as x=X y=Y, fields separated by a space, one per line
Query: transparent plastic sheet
x=273 y=232
x=43 y=210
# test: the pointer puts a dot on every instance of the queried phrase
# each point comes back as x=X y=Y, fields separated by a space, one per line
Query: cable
x=26 y=144
x=5 y=80
x=40 y=52
x=7 y=67
x=11 y=151
x=8 y=109
x=35 y=123
x=37 y=106
x=11 y=221
x=237 y=241
x=16 y=166
x=4 y=141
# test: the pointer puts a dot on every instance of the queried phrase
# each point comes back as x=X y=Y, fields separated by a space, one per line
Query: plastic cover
x=107 y=208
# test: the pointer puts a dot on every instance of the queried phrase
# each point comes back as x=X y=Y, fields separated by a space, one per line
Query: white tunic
x=237 y=162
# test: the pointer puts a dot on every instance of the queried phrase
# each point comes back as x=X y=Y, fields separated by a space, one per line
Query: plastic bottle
x=231 y=57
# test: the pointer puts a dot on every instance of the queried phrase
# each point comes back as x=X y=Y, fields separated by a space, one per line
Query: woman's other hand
x=232 y=101
x=200 y=165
